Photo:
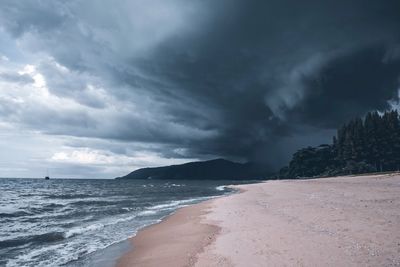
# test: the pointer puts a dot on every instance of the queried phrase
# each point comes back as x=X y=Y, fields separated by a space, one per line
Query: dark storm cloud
x=348 y=86
x=269 y=67
x=239 y=79
x=36 y=16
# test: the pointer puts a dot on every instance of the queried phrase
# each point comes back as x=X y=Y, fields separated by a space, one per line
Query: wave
x=221 y=188
x=62 y=254
x=80 y=230
x=96 y=226
x=173 y=185
x=45 y=208
x=178 y=185
x=147 y=212
x=123 y=219
x=42 y=238
x=32 y=212
x=42 y=226
x=14 y=214
x=94 y=202
x=176 y=203
x=164 y=206
x=71 y=196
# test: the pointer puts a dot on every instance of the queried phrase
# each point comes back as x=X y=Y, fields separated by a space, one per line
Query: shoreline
x=191 y=214
x=147 y=251
x=340 y=221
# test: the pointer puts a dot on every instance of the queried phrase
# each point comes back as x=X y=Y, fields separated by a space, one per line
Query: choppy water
x=59 y=221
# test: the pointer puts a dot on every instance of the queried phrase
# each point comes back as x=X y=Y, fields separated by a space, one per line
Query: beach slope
x=341 y=221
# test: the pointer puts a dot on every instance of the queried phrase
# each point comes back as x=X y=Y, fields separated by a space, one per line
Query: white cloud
x=91 y=156
x=108 y=162
x=44 y=121
x=4 y=58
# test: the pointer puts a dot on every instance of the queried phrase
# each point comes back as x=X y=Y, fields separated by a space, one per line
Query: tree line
x=364 y=145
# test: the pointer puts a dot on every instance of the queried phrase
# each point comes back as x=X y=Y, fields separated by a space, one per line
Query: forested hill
x=364 y=145
x=212 y=169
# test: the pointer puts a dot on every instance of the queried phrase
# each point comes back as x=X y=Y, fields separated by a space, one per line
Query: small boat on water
x=47 y=177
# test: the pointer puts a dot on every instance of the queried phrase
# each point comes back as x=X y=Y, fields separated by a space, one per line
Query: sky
x=96 y=89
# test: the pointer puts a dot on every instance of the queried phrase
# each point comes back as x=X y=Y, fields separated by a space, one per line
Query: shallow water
x=62 y=221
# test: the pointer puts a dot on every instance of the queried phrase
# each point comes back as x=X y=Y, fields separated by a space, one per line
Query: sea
x=86 y=222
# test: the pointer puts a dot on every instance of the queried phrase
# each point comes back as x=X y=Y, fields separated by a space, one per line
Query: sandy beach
x=341 y=221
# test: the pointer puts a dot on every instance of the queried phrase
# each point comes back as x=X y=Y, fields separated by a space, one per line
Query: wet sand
x=341 y=221
x=174 y=242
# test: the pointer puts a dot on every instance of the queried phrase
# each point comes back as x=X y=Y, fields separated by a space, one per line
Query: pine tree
x=361 y=146
x=371 y=125
x=390 y=141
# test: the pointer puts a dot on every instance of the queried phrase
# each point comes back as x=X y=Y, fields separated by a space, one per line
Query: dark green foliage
x=361 y=146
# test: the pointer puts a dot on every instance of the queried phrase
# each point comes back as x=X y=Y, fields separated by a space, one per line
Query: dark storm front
x=53 y=222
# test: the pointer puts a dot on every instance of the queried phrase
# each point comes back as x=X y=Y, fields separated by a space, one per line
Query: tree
x=368 y=145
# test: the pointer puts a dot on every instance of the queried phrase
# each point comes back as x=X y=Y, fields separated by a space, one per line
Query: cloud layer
x=180 y=80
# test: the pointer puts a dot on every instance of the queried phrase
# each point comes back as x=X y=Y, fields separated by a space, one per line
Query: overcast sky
x=97 y=89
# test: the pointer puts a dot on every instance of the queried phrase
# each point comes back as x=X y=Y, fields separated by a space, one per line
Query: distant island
x=217 y=169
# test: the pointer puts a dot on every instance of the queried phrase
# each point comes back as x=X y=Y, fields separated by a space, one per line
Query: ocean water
x=64 y=221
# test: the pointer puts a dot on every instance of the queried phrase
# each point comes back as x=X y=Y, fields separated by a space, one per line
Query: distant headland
x=217 y=169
